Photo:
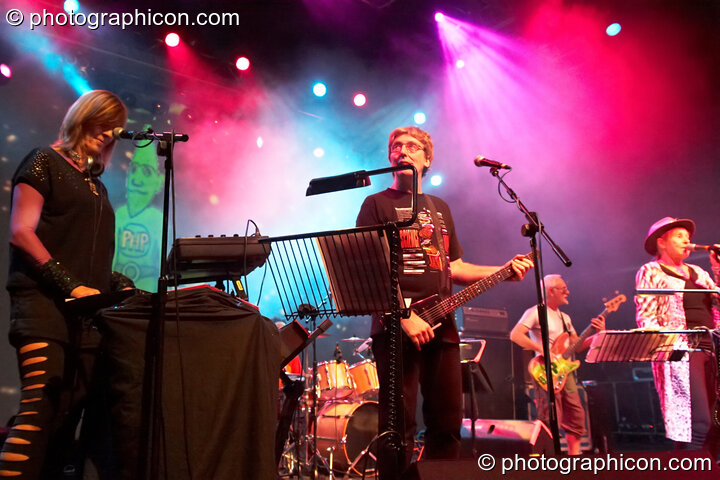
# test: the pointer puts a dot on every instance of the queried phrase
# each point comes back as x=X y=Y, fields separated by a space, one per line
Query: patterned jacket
x=672 y=379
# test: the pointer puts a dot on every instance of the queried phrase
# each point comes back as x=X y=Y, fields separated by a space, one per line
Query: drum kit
x=336 y=424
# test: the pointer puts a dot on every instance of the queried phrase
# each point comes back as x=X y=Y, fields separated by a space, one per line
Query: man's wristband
x=55 y=275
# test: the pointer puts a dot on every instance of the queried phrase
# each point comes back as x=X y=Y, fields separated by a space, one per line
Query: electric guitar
x=433 y=308
x=563 y=364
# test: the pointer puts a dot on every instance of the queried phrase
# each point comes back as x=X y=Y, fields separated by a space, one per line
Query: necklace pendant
x=93 y=189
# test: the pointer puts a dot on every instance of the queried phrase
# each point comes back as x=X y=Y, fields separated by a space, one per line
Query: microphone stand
x=152 y=418
x=531 y=229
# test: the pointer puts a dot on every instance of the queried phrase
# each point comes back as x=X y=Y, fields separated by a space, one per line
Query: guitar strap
x=562 y=319
x=566 y=330
x=445 y=285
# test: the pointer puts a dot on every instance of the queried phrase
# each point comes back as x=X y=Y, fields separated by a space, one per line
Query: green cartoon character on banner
x=138 y=224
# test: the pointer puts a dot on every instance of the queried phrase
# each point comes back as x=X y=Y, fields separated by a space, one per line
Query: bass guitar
x=434 y=308
x=563 y=363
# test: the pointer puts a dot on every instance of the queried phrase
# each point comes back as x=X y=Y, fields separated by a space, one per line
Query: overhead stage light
x=5 y=74
x=439 y=17
x=242 y=63
x=419 y=118
x=319 y=89
x=71 y=6
x=172 y=39
x=613 y=29
x=359 y=100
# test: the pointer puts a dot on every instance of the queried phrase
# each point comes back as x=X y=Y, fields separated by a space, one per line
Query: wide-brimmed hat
x=658 y=228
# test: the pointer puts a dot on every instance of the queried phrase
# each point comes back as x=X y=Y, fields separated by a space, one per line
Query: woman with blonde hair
x=61 y=246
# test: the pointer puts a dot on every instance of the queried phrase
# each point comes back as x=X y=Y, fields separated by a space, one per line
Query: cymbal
x=323 y=335
x=353 y=339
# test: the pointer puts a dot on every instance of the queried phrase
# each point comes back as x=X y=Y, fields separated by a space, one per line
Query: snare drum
x=346 y=429
x=365 y=376
x=334 y=380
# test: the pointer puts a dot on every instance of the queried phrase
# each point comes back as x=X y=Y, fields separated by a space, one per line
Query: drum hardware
x=352 y=339
x=362 y=347
x=348 y=432
x=365 y=453
x=312 y=455
x=335 y=400
x=294 y=339
x=346 y=436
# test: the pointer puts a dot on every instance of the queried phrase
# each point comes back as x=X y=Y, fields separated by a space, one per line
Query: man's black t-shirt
x=422 y=271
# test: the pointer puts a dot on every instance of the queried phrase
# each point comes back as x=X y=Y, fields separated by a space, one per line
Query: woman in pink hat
x=686 y=388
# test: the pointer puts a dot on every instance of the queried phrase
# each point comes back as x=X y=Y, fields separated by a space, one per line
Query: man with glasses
x=571 y=415
x=431 y=263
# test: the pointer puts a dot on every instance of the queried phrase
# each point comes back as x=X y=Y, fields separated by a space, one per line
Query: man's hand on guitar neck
x=419 y=331
x=521 y=265
x=599 y=324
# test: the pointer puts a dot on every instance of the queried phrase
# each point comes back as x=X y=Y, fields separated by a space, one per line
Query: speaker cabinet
x=506 y=437
x=587 y=441
x=498 y=360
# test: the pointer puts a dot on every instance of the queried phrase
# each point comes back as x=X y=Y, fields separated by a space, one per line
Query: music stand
x=339 y=273
x=474 y=377
x=643 y=345
x=303 y=282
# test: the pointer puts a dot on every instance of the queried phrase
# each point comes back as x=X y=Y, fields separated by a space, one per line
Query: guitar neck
x=451 y=303
x=590 y=330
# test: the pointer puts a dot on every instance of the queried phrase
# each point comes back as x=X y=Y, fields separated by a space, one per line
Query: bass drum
x=347 y=429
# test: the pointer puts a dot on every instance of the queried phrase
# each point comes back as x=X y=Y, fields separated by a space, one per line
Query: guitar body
x=561 y=368
x=422 y=308
x=563 y=365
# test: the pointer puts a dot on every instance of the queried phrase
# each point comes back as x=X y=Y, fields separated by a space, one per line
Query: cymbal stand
x=312 y=455
x=287 y=439
x=290 y=457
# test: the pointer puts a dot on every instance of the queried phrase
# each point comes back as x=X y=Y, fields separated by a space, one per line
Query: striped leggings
x=54 y=380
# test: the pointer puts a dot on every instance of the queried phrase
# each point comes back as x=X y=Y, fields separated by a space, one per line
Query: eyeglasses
x=146 y=170
x=410 y=147
x=562 y=289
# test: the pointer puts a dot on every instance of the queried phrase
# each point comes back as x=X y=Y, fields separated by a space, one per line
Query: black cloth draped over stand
x=220 y=386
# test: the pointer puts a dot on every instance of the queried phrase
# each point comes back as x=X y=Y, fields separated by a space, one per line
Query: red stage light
x=242 y=63
x=359 y=100
x=172 y=39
